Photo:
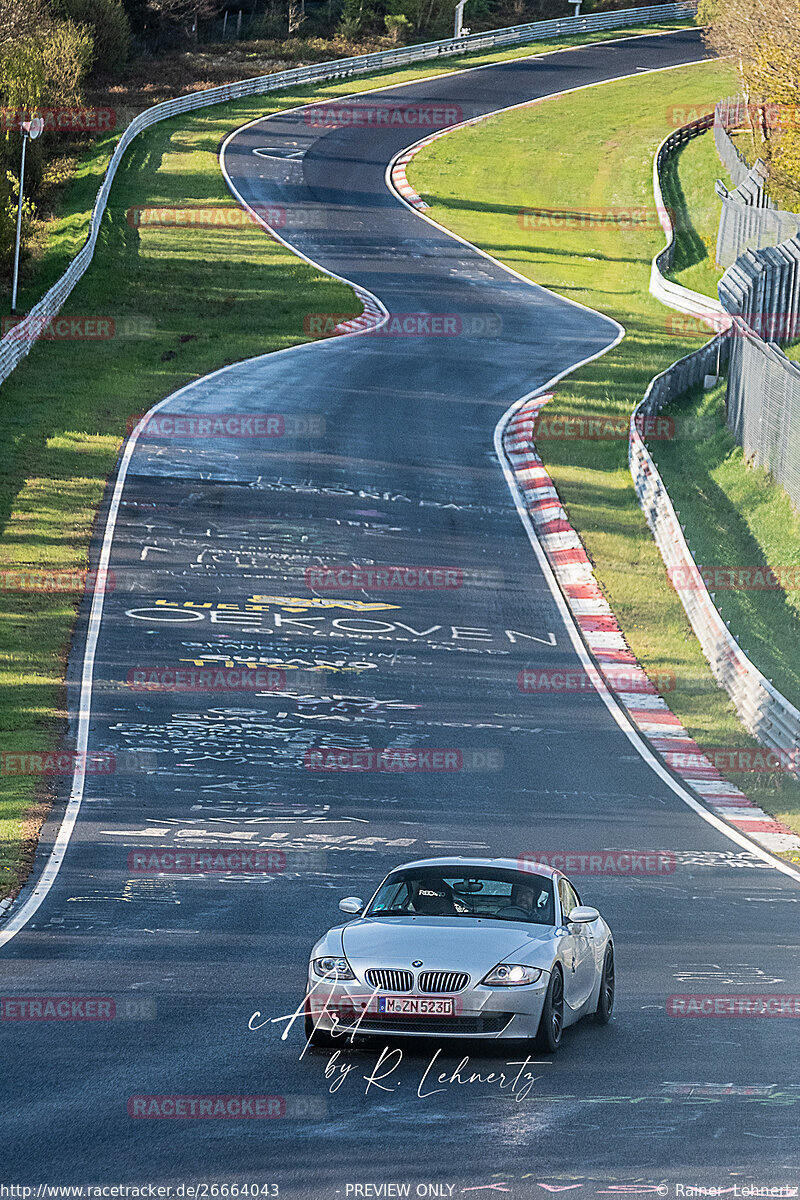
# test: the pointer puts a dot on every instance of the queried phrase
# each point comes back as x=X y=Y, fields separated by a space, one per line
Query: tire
x=551 y=1025
x=605 y=1000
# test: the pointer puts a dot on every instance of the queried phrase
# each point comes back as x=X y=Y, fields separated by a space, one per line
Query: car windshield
x=501 y=894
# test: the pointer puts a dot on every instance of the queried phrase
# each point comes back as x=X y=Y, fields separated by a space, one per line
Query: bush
x=110 y=29
x=396 y=26
x=9 y=192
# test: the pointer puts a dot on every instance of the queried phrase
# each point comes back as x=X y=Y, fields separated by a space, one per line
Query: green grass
x=688 y=189
x=184 y=303
x=477 y=181
x=66 y=233
x=734 y=515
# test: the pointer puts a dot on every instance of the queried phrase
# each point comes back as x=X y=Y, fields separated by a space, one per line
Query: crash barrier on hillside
x=19 y=340
x=750 y=220
x=762 y=293
x=763 y=710
x=674 y=294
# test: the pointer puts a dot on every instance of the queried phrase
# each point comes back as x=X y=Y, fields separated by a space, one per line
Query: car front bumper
x=350 y=1009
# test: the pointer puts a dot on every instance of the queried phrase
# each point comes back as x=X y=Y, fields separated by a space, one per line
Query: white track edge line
x=16 y=920
x=614 y=706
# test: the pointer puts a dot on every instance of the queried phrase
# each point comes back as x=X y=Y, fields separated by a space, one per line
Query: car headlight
x=333 y=967
x=511 y=975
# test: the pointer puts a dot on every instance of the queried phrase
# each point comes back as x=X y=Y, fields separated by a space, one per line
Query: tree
x=43 y=61
x=185 y=13
x=397 y=26
x=21 y=19
x=763 y=37
x=109 y=26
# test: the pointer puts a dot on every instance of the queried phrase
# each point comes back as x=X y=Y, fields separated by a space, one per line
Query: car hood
x=443 y=944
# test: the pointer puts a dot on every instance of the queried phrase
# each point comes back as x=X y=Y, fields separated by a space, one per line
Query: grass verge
x=688 y=187
x=478 y=180
x=58 y=239
x=184 y=302
x=735 y=515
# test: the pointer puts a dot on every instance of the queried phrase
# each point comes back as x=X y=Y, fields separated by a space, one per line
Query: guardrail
x=19 y=340
x=674 y=294
x=763 y=710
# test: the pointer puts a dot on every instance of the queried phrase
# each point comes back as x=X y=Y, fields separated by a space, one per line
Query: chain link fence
x=730 y=113
x=763 y=710
x=750 y=220
x=762 y=293
x=772 y=719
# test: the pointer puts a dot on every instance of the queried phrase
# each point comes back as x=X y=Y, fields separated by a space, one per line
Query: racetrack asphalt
x=385 y=455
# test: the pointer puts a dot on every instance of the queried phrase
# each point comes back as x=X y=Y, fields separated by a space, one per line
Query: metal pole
x=459 y=19
x=224 y=24
x=19 y=226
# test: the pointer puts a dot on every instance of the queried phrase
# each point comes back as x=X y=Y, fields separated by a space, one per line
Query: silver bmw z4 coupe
x=463 y=948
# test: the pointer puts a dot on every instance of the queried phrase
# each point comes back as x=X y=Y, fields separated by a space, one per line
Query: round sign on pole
x=33 y=127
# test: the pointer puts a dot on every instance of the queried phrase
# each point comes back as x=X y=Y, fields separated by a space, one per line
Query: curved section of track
x=384 y=457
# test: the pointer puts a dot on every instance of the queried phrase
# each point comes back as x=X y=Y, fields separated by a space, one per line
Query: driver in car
x=526 y=905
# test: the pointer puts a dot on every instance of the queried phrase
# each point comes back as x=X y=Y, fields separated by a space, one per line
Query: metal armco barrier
x=762 y=709
x=762 y=292
x=18 y=341
x=674 y=294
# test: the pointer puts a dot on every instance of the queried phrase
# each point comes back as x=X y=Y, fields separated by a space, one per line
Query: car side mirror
x=583 y=915
x=352 y=905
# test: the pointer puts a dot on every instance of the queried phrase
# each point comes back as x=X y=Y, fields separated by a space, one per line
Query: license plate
x=416 y=1006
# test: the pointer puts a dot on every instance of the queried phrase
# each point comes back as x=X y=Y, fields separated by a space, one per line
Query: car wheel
x=551 y=1025
x=605 y=1001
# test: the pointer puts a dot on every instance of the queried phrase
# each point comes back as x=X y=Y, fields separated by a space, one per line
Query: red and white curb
x=372 y=316
x=398 y=174
x=647 y=709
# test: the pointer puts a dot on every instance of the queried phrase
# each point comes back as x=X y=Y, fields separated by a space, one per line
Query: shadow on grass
x=689 y=247
x=765 y=623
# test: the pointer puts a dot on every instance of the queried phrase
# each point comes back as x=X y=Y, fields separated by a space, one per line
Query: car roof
x=512 y=864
